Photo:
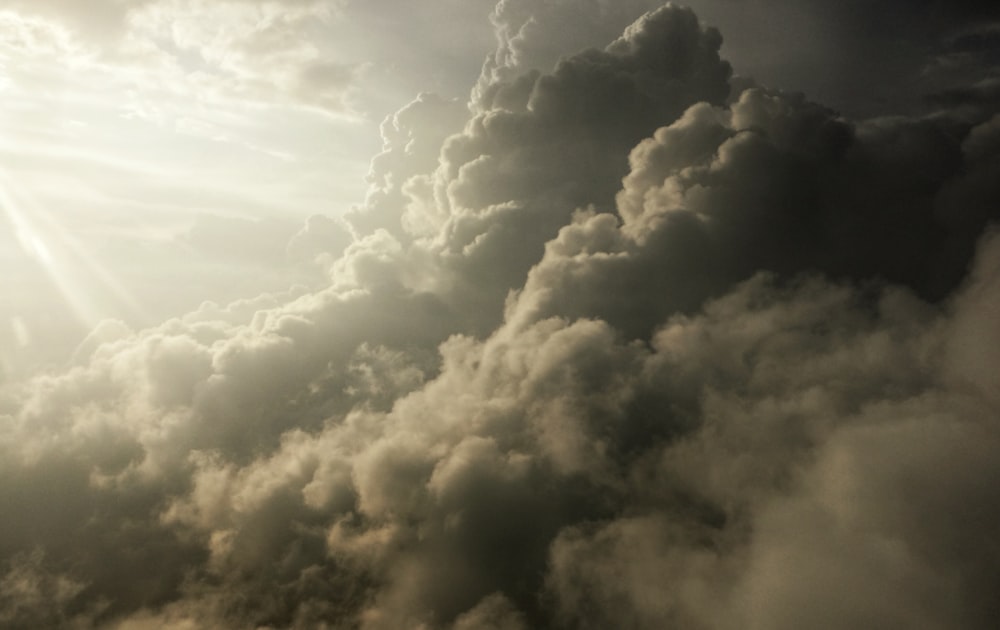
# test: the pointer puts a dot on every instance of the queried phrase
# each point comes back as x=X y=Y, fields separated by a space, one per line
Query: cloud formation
x=610 y=347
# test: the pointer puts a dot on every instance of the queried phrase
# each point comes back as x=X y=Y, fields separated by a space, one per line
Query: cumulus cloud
x=535 y=35
x=604 y=348
x=774 y=183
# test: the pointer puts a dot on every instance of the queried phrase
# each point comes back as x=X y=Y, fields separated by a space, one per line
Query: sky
x=450 y=315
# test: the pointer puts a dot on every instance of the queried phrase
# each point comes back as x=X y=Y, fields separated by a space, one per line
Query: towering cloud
x=615 y=345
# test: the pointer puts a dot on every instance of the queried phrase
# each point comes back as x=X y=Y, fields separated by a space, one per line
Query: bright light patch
x=64 y=259
x=21 y=335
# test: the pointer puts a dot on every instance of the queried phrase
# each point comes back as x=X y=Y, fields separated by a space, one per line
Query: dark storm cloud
x=539 y=146
x=876 y=56
x=774 y=183
x=599 y=350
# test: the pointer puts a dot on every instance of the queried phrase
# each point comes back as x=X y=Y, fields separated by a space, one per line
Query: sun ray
x=64 y=259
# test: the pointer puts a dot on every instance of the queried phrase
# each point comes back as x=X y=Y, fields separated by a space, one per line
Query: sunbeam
x=79 y=277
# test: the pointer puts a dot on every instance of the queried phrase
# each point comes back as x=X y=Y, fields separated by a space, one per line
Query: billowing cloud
x=608 y=347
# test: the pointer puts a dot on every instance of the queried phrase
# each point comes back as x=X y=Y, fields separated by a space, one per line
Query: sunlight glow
x=63 y=258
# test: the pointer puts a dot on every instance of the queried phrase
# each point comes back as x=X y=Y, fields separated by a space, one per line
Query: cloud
x=805 y=497
x=771 y=183
x=101 y=20
x=218 y=52
x=535 y=36
x=607 y=348
x=540 y=146
x=320 y=235
x=875 y=57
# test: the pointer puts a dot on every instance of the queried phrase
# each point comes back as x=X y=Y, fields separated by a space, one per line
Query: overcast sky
x=452 y=314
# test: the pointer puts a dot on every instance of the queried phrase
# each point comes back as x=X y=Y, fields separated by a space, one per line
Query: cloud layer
x=616 y=345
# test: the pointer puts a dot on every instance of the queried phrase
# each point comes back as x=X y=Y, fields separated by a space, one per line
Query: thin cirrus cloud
x=618 y=343
x=253 y=51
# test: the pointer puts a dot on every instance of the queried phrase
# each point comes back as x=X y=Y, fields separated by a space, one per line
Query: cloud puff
x=540 y=146
x=771 y=183
x=610 y=354
x=535 y=35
